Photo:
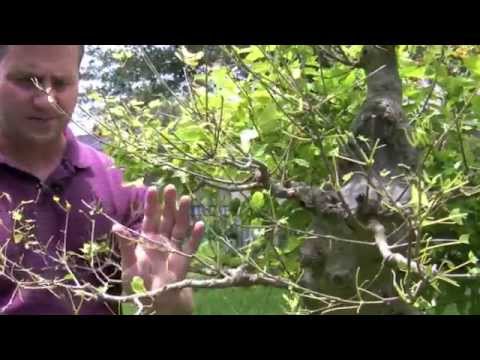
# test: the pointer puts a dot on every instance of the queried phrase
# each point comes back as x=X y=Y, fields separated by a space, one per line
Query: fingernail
x=169 y=186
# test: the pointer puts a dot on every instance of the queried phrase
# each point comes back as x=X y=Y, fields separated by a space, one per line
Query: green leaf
x=17 y=215
x=413 y=71
x=243 y=50
x=138 y=286
x=476 y=104
x=122 y=55
x=475 y=271
x=308 y=152
x=347 y=176
x=190 y=59
x=448 y=280
x=254 y=54
x=415 y=201
x=302 y=163
x=256 y=222
x=68 y=277
x=471 y=256
x=473 y=64
x=205 y=251
x=117 y=111
x=296 y=73
x=293 y=243
x=94 y=96
x=223 y=82
x=464 y=239
x=18 y=237
x=268 y=119
x=457 y=216
x=334 y=152
x=257 y=201
x=136 y=103
x=300 y=218
x=245 y=137
x=190 y=133
x=384 y=172
x=154 y=104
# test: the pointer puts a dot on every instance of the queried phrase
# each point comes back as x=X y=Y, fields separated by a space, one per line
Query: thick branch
x=237 y=278
x=391 y=258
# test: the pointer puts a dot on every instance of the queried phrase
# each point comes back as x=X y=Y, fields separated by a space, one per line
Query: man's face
x=26 y=114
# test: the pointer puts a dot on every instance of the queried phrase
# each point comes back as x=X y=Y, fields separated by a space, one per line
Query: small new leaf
x=257 y=201
x=471 y=256
x=138 y=286
x=347 y=176
x=384 y=173
x=68 y=277
x=302 y=163
x=464 y=239
x=17 y=215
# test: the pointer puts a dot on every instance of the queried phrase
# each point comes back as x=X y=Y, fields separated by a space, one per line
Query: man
x=58 y=195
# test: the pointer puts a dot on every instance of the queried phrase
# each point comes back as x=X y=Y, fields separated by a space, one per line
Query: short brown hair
x=4 y=49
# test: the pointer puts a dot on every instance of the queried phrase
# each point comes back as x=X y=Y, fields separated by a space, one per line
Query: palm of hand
x=163 y=230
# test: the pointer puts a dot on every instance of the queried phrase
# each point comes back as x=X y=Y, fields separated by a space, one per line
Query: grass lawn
x=255 y=300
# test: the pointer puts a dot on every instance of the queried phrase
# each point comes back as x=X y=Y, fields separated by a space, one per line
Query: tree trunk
x=337 y=267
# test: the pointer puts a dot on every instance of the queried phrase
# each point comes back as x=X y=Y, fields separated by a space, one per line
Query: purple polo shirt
x=85 y=175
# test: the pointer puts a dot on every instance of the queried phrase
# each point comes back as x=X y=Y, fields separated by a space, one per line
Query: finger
x=169 y=210
x=182 y=219
x=152 y=212
x=126 y=245
x=179 y=264
x=198 y=231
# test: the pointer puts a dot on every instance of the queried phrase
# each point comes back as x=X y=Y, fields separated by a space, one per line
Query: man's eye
x=60 y=83
x=25 y=80
x=28 y=79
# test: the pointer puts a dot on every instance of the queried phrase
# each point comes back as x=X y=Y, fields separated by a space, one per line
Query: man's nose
x=44 y=96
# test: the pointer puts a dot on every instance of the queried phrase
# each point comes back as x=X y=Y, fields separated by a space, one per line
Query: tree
x=354 y=167
x=126 y=71
x=285 y=131
x=142 y=74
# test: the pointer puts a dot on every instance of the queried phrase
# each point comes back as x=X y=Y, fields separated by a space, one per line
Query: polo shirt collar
x=75 y=153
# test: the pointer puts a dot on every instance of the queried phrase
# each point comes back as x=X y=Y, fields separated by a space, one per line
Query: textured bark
x=331 y=266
